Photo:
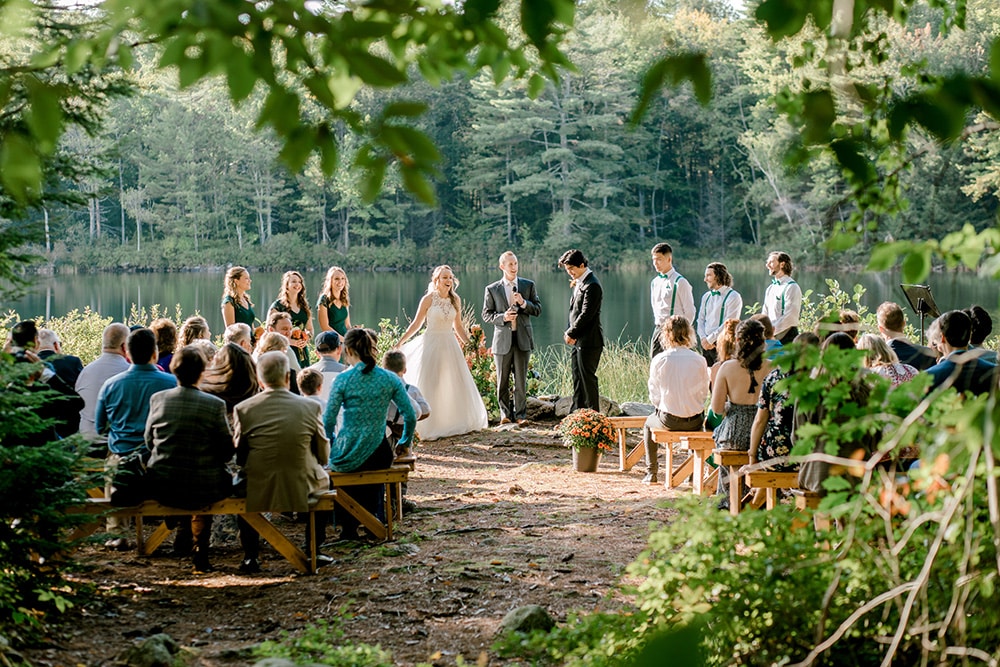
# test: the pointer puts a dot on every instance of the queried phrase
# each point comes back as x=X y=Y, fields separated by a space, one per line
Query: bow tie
x=714 y=292
x=775 y=281
x=663 y=275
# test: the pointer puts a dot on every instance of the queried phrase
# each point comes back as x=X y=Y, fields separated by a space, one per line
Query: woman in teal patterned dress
x=364 y=391
x=292 y=300
x=334 y=302
x=236 y=303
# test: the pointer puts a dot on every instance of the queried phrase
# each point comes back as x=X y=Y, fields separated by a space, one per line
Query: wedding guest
x=678 y=387
x=240 y=334
x=783 y=298
x=333 y=307
x=958 y=368
x=236 y=303
x=113 y=360
x=891 y=323
x=62 y=409
x=310 y=384
x=292 y=300
x=394 y=361
x=166 y=341
x=194 y=328
x=437 y=364
x=66 y=366
x=274 y=341
x=982 y=327
x=329 y=348
x=584 y=333
x=725 y=347
x=190 y=442
x=232 y=376
x=880 y=358
x=735 y=396
x=363 y=392
x=669 y=292
x=770 y=342
x=508 y=305
x=850 y=323
x=720 y=303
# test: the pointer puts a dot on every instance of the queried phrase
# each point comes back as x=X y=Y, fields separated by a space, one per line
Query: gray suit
x=511 y=349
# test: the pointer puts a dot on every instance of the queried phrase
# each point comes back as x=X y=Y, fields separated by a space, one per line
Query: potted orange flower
x=589 y=433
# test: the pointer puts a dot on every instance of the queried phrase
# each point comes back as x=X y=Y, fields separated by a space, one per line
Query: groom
x=507 y=305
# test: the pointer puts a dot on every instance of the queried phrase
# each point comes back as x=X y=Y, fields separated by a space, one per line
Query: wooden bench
x=393 y=479
x=627 y=458
x=698 y=443
x=733 y=460
x=101 y=507
x=771 y=481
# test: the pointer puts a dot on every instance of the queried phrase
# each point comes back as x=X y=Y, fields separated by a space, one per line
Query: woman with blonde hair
x=436 y=364
x=274 y=341
x=880 y=358
x=236 y=303
x=194 y=328
x=292 y=300
x=333 y=307
x=725 y=347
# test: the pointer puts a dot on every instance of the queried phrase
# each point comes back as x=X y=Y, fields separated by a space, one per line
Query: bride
x=436 y=365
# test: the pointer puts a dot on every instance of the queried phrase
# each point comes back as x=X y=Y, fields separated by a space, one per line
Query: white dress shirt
x=717 y=306
x=782 y=304
x=671 y=294
x=678 y=382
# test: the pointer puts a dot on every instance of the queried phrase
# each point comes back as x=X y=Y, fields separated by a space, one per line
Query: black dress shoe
x=322 y=560
x=202 y=566
x=250 y=566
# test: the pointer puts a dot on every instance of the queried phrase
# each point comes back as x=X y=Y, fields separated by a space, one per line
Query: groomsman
x=670 y=293
x=720 y=303
x=508 y=305
x=783 y=298
x=584 y=331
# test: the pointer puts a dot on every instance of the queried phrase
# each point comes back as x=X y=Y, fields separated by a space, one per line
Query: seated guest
x=311 y=383
x=678 y=387
x=281 y=445
x=328 y=347
x=66 y=366
x=63 y=410
x=281 y=322
x=273 y=341
x=881 y=359
x=982 y=327
x=395 y=361
x=190 y=443
x=770 y=342
x=725 y=347
x=240 y=334
x=166 y=341
x=194 y=328
x=891 y=322
x=232 y=376
x=364 y=392
x=735 y=395
x=113 y=360
x=850 y=323
x=206 y=347
x=958 y=368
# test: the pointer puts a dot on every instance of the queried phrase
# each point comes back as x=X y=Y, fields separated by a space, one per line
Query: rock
x=156 y=651
x=636 y=409
x=609 y=407
x=525 y=619
x=563 y=406
x=275 y=662
x=539 y=409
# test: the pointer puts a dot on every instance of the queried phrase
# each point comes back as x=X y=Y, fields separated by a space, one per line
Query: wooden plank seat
x=393 y=479
x=695 y=442
x=101 y=507
x=771 y=481
x=627 y=458
x=733 y=460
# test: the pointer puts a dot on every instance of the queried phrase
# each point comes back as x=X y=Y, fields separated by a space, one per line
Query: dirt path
x=503 y=521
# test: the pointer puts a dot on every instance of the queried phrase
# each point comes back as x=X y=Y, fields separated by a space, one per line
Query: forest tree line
x=181 y=179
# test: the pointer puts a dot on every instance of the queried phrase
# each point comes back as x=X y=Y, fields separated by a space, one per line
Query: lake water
x=625 y=315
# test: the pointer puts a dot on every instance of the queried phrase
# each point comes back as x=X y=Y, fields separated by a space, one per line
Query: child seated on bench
x=394 y=361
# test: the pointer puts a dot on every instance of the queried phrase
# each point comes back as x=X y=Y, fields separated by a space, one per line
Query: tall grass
x=621 y=375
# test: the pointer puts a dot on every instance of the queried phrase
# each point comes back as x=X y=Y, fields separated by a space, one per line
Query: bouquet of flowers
x=300 y=334
x=587 y=428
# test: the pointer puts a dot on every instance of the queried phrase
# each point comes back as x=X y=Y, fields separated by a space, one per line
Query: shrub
x=323 y=642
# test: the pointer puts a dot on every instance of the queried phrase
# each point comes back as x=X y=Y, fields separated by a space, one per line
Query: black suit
x=585 y=329
x=918 y=356
x=66 y=366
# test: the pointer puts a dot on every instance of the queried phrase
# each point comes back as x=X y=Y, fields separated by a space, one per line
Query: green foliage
x=595 y=640
x=38 y=480
x=621 y=375
x=323 y=643
x=481 y=364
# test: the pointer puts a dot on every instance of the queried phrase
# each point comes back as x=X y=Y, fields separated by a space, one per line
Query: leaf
x=782 y=17
x=416 y=181
x=45 y=118
x=326 y=142
x=371 y=179
x=674 y=70
x=536 y=84
x=240 y=76
x=373 y=70
x=411 y=142
x=883 y=257
x=916 y=265
x=77 y=53
x=995 y=60
x=20 y=167
x=848 y=154
x=819 y=113
x=189 y=72
x=297 y=147
x=409 y=109
x=842 y=240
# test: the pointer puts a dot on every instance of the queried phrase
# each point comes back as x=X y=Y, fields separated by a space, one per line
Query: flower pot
x=586 y=459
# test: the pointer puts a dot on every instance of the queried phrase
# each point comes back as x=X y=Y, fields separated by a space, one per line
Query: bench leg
x=313 y=547
x=147 y=547
x=622 y=450
x=281 y=544
x=698 y=473
x=735 y=490
x=772 y=498
x=711 y=483
x=367 y=519
x=676 y=478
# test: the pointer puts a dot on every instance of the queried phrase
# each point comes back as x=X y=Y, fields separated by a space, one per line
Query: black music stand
x=922 y=303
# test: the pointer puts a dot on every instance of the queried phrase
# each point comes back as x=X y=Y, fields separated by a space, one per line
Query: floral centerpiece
x=587 y=428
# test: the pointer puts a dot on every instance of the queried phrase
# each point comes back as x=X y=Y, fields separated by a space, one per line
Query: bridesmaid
x=334 y=302
x=236 y=303
x=292 y=300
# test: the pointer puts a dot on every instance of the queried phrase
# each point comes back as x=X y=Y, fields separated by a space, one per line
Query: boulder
x=637 y=409
x=157 y=651
x=525 y=619
x=539 y=409
x=564 y=405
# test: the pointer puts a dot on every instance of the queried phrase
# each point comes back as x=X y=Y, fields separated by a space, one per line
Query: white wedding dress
x=436 y=365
